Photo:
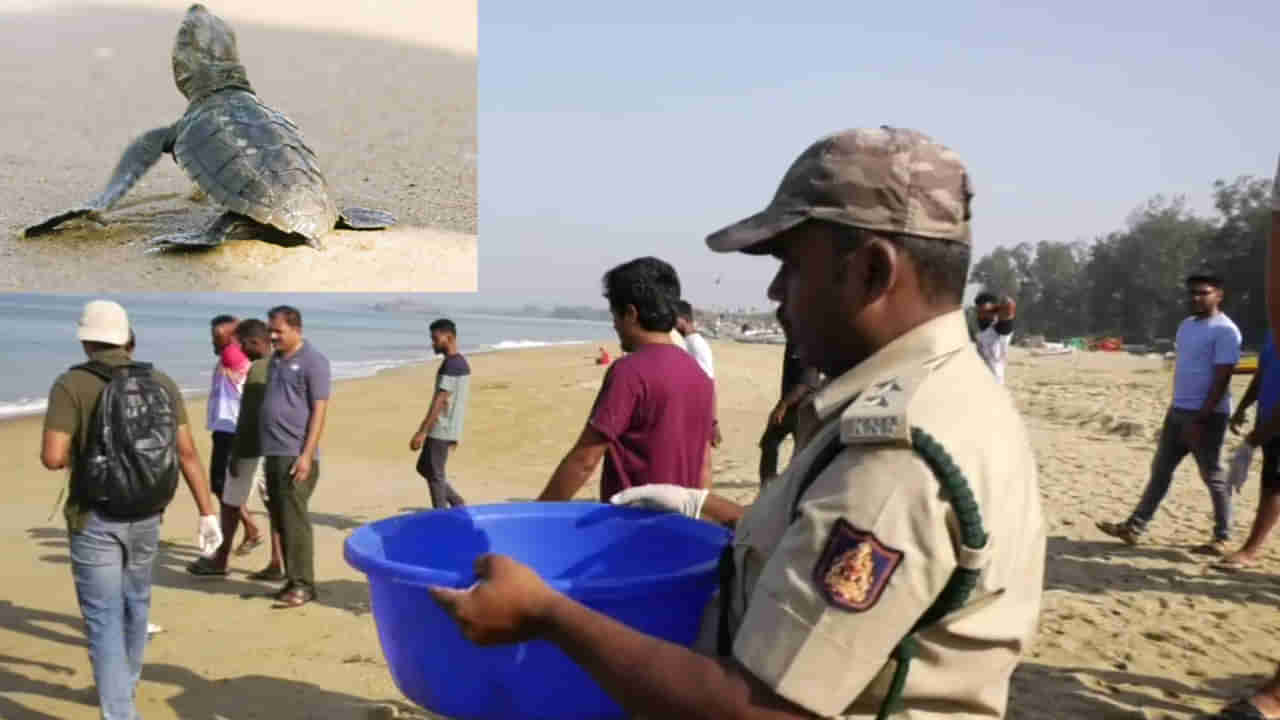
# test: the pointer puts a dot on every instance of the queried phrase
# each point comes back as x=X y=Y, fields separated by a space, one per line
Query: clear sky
x=613 y=130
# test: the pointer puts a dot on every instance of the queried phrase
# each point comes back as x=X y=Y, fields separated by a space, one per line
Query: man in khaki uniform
x=837 y=562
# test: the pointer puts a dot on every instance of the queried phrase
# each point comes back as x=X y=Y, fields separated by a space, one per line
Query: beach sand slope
x=1126 y=632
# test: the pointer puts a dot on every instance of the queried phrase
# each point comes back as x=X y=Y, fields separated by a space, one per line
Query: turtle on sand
x=246 y=156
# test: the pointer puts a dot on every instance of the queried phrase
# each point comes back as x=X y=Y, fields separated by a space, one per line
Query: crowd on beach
x=851 y=562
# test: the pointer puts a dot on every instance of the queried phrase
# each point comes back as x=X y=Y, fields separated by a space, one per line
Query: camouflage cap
x=888 y=179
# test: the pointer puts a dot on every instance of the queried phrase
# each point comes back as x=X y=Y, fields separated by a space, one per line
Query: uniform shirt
x=655 y=409
x=700 y=349
x=832 y=660
x=453 y=377
x=993 y=346
x=294 y=385
x=248 y=442
x=72 y=400
x=1202 y=344
x=226 y=389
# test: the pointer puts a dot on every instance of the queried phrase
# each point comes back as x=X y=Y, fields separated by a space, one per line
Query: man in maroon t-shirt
x=652 y=421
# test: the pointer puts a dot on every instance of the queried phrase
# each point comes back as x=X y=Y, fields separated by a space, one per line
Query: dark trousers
x=772 y=438
x=1271 y=467
x=287 y=505
x=1170 y=452
x=219 y=458
x=431 y=462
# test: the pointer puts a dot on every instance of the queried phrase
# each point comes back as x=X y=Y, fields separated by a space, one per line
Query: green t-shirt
x=248 y=442
x=72 y=400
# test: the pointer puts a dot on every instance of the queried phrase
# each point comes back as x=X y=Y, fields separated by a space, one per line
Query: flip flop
x=1240 y=710
x=1215 y=547
x=204 y=568
x=1231 y=565
x=296 y=597
x=269 y=574
x=248 y=546
x=278 y=592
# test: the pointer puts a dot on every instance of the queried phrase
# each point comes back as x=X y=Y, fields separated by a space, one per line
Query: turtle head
x=205 y=58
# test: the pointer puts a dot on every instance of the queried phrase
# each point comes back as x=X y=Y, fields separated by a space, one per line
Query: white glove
x=260 y=482
x=1238 y=471
x=672 y=498
x=210 y=536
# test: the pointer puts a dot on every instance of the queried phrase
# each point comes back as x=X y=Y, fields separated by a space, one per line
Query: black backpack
x=129 y=468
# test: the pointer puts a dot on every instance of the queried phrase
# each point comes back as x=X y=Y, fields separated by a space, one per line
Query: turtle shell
x=251 y=159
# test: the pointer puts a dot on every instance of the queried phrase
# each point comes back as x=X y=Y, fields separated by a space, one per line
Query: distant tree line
x=1129 y=283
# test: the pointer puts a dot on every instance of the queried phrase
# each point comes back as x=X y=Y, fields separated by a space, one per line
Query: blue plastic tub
x=653 y=571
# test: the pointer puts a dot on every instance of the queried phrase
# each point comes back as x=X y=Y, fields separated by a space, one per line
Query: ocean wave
x=350 y=369
x=524 y=344
x=23 y=406
x=339 y=370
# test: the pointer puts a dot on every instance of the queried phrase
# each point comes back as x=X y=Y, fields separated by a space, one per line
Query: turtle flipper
x=138 y=158
x=358 y=218
x=214 y=235
x=49 y=225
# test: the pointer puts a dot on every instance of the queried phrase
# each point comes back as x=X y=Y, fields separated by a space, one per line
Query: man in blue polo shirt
x=292 y=417
x=1208 y=348
x=1265 y=388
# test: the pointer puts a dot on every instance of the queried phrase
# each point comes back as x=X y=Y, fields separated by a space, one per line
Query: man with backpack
x=121 y=427
x=909 y=527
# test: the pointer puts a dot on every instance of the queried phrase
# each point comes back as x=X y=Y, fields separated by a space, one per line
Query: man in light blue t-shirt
x=1208 y=348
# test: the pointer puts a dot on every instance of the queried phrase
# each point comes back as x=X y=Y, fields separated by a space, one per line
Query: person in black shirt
x=798 y=383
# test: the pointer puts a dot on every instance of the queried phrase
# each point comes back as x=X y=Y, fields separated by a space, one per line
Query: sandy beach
x=1126 y=632
x=385 y=93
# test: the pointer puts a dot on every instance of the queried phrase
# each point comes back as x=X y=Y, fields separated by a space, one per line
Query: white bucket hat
x=103 y=321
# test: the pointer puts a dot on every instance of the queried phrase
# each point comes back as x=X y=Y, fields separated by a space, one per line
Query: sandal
x=1230 y=565
x=1240 y=710
x=277 y=594
x=297 y=597
x=270 y=574
x=205 y=567
x=1213 y=547
x=249 y=545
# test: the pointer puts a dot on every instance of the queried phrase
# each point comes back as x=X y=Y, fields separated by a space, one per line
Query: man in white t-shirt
x=694 y=343
x=995 y=330
x=699 y=348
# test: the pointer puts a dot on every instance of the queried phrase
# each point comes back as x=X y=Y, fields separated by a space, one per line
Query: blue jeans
x=1169 y=454
x=111 y=562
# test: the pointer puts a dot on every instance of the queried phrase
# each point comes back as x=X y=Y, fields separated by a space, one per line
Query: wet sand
x=392 y=120
x=1126 y=632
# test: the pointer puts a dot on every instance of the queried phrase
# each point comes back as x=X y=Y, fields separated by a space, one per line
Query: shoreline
x=189 y=394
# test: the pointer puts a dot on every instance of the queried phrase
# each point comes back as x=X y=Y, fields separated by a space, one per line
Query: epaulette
x=878 y=416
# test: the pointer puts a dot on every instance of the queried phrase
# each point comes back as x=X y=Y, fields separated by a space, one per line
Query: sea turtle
x=246 y=156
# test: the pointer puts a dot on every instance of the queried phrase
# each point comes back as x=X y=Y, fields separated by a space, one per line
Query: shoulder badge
x=879 y=414
x=854 y=567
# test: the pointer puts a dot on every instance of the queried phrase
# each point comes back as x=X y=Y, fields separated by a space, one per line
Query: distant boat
x=763 y=338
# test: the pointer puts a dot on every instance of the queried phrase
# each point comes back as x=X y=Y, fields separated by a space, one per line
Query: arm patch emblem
x=854 y=567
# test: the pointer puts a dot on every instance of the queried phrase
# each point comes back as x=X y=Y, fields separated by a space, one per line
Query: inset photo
x=155 y=145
